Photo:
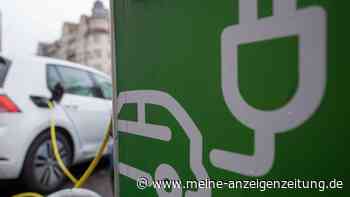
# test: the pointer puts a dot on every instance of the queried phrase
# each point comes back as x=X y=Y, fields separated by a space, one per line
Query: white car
x=82 y=116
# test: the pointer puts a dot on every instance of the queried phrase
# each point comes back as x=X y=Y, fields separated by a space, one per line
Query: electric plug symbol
x=309 y=24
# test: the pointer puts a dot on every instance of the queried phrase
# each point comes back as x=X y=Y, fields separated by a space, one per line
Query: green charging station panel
x=233 y=90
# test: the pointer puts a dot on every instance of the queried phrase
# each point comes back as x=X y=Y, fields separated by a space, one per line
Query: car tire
x=41 y=172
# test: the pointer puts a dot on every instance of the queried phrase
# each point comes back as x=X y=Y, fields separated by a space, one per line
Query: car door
x=105 y=86
x=84 y=106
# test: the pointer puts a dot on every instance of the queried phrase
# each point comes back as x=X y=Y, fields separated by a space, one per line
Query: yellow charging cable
x=29 y=194
x=93 y=164
x=55 y=149
x=77 y=183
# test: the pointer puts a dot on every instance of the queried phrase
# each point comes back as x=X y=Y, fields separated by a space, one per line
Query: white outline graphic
x=309 y=25
x=163 y=133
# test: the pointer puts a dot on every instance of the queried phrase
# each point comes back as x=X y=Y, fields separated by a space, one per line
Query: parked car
x=81 y=118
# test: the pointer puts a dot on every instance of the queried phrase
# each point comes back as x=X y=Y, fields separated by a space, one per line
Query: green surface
x=174 y=46
x=272 y=79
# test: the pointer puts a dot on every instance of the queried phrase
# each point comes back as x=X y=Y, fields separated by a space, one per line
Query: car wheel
x=41 y=172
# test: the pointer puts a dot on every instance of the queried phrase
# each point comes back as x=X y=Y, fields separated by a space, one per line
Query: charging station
x=229 y=90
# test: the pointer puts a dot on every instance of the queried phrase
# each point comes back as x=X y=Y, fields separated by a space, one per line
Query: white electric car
x=81 y=117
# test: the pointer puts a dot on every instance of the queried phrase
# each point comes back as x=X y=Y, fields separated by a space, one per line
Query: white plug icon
x=309 y=24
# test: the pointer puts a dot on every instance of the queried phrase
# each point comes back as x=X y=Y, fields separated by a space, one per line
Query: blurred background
x=75 y=31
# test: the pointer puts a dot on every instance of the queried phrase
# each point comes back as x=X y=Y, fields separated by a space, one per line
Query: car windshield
x=3 y=71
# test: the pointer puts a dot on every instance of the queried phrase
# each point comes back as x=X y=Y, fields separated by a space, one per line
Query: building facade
x=86 y=42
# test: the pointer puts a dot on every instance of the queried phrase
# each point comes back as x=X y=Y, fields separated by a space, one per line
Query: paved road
x=100 y=182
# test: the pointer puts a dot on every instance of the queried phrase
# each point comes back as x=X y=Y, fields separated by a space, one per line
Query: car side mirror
x=57 y=93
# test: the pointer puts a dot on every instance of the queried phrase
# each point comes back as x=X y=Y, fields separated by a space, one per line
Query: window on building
x=88 y=55
x=71 y=57
x=98 y=53
x=96 y=38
